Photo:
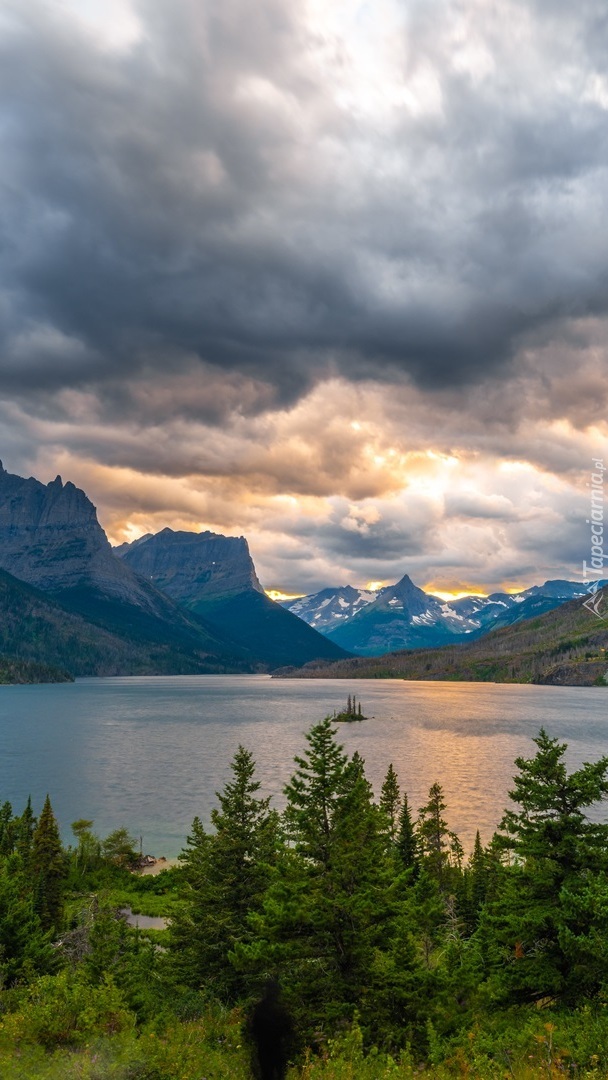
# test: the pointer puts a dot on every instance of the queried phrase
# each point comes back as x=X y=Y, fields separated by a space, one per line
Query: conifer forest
x=395 y=952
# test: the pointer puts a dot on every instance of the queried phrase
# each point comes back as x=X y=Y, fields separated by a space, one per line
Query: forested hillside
x=397 y=953
x=566 y=646
x=14 y=671
x=34 y=629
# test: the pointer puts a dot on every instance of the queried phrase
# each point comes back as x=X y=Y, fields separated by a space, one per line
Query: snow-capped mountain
x=402 y=616
x=331 y=607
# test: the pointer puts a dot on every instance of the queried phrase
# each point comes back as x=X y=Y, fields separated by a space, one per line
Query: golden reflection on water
x=150 y=753
x=467 y=736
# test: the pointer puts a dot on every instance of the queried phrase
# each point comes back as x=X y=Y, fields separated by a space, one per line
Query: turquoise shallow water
x=149 y=753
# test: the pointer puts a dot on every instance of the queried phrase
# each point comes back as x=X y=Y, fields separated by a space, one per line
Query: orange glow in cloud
x=276 y=594
x=443 y=595
x=446 y=594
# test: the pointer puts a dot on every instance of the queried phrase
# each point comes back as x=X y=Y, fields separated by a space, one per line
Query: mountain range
x=402 y=616
x=67 y=599
x=213 y=577
x=567 y=646
x=184 y=602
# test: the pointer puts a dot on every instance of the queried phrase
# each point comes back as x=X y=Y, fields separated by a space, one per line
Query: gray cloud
x=227 y=239
x=204 y=195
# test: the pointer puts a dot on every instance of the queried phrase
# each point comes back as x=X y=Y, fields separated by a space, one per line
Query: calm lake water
x=149 y=753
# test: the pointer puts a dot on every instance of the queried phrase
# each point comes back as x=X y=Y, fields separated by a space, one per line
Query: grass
x=524 y=1044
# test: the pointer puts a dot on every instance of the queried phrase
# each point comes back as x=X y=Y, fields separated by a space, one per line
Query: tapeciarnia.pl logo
x=595 y=601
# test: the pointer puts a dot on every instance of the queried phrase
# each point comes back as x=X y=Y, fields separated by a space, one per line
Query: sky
x=331 y=275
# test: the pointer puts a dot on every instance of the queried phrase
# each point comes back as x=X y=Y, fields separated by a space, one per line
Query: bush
x=62 y=1010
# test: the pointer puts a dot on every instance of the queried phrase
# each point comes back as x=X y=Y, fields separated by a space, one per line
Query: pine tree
x=325 y=911
x=426 y=913
x=546 y=930
x=313 y=792
x=226 y=874
x=390 y=803
x=7 y=829
x=48 y=869
x=25 y=947
x=478 y=877
x=408 y=848
x=434 y=836
x=24 y=833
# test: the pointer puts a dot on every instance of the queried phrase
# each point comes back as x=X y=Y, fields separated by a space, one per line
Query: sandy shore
x=158 y=867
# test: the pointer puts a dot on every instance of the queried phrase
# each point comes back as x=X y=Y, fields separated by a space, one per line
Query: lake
x=149 y=753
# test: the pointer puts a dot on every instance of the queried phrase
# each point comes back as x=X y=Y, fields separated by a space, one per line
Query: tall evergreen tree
x=24 y=833
x=25 y=948
x=48 y=869
x=226 y=874
x=390 y=803
x=434 y=836
x=547 y=927
x=7 y=829
x=478 y=877
x=313 y=792
x=408 y=848
x=325 y=911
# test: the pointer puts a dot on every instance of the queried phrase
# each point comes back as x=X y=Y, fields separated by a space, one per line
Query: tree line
x=367 y=911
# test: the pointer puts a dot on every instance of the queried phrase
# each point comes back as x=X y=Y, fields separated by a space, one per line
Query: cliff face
x=193 y=567
x=214 y=577
x=179 y=602
x=50 y=537
x=105 y=618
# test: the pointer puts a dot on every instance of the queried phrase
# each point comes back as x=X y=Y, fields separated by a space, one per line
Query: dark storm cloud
x=201 y=198
x=377 y=537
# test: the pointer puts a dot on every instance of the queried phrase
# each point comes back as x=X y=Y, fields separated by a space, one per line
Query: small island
x=351 y=713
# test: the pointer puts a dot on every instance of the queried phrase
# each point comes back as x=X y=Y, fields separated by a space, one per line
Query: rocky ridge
x=566 y=646
x=50 y=538
x=404 y=616
x=190 y=566
x=213 y=576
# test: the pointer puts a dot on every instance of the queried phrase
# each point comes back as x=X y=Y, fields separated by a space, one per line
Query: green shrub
x=62 y=1010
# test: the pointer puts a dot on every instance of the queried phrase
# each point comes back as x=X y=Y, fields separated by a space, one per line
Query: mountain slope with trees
x=35 y=629
x=565 y=646
x=214 y=577
x=122 y=623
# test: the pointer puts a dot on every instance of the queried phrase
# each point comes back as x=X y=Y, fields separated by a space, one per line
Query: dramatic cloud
x=330 y=275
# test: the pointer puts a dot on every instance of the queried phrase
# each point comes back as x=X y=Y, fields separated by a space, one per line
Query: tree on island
x=352 y=711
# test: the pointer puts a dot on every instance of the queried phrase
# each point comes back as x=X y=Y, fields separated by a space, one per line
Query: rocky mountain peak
x=191 y=566
x=50 y=537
